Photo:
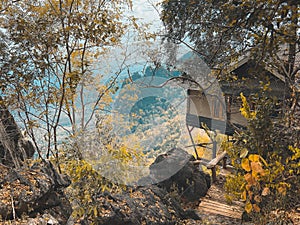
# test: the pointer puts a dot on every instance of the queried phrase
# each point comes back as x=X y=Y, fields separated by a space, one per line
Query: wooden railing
x=212 y=164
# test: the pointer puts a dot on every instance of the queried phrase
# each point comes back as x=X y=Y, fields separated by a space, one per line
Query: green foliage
x=120 y=159
x=260 y=118
x=220 y=30
x=110 y=169
x=86 y=183
x=51 y=50
x=98 y=162
x=267 y=176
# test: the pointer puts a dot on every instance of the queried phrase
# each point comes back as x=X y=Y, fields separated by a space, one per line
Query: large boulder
x=14 y=148
x=33 y=192
x=149 y=205
x=175 y=171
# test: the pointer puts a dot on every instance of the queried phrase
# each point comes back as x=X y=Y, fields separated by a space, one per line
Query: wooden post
x=214 y=155
x=228 y=107
x=214 y=174
x=224 y=162
x=191 y=137
x=213 y=165
x=214 y=149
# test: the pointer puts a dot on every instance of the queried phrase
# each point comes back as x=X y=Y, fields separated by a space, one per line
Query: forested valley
x=110 y=117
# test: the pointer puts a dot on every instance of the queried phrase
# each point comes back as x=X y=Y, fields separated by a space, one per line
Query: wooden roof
x=250 y=76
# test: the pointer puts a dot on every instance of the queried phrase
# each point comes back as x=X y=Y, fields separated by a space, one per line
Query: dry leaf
x=246 y=164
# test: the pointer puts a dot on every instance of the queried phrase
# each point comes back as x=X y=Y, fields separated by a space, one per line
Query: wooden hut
x=221 y=112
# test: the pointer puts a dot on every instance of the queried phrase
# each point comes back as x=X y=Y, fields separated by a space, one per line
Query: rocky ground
x=147 y=198
x=33 y=195
x=29 y=194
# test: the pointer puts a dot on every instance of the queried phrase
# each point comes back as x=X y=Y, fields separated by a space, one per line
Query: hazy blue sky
x=144 y=10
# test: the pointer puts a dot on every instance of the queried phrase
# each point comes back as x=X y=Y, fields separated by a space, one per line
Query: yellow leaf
x=249 y=178
x=243 y=153
x=257 y=168
x=95 y=211
x=246 y=164
x=282 y=189
x=265 y=191
x=254 y=158
x=256 y=208
x=264 y=161
x=244 y=196
x=248 y=207
x=250 y=195
x=248 y=187
x=257 y=198
x=113 y=39
x=233 y=22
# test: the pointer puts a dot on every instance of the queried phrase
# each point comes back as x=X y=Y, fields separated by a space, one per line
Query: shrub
x=267 y=164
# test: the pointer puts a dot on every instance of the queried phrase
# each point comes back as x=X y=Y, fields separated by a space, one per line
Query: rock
x=14 y=148
x=152 y=202
x=32 y=192
x=37 y=192
x=45 y=219
x=149 y=205
x=184 y=177
x=60 y=180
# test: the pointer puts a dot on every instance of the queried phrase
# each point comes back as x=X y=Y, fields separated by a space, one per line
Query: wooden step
x=215 y=207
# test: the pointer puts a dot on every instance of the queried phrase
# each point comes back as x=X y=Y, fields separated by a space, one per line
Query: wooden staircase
x=215 y=207
x=214 y=203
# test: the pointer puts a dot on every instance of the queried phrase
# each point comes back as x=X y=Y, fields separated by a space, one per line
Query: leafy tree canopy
x=49 y=52
x=223 y=29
